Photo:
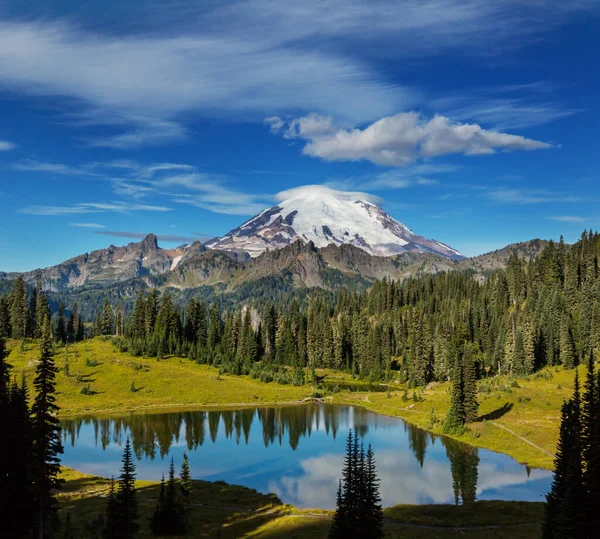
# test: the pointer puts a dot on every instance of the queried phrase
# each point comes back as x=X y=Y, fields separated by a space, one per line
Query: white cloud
x=6 y=146
x=400 y=140
x=316 y=191
x=87 y=225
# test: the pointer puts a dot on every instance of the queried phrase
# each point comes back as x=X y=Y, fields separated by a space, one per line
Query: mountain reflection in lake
x=297 y=453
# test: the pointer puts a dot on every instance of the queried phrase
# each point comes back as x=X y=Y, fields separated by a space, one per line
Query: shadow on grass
x=498 y=413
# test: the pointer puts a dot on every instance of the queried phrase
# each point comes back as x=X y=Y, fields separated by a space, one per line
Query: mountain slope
x=325 y=216
x=113 y=264
x=499 y=259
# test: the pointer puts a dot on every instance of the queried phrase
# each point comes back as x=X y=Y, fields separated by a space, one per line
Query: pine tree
x=16 y=471
x=19 y=309
x=42 y=309
x=61 y=329
x=186 y=486
x=46 y=437
x=565 y=510
x=455 y=418
x=72 y=325
x=358 y=504
x=338 y=525
x=567 y=348
x=112 y=517
x=156 y=523
x=107 y=325
x=590 y=442
x=125 y=497
x=373 y=520
x=469 y=376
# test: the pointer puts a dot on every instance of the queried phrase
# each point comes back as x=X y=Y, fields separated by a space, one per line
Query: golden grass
x=235 y=512
x=164 y=384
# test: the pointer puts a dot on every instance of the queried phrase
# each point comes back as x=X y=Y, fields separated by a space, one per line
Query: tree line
x=22 y=315
x=535 y=313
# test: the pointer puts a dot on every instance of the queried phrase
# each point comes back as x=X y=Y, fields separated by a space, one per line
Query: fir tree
x=156 y=523
x=186 y=486
x=358 y=504
x=19 y=310
x=455 y=418
x=111 y=517
x=61 y=329
x=107 y=325
x=46 y=437
x=125 y=498
x=373 y=520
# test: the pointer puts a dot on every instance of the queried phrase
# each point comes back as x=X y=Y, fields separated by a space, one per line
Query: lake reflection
x=297 y=453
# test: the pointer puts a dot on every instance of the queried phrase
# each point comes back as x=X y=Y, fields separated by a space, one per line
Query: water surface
x=297 y=453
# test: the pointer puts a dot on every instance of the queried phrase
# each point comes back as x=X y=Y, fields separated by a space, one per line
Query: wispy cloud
x=398 y=140
x=169 y=238
x=91 y=207
x=514 y=106
x=506 y=195
x=87 y=225
x=568 y=219
x=181 y=183
x=251 y=58
x=411 y=176
x=6 y=146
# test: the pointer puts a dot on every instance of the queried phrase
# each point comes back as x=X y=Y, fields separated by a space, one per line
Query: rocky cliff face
x=301 y=263
x=113 y=264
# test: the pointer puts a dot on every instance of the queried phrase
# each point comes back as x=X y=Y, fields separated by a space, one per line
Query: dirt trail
x=521 y=438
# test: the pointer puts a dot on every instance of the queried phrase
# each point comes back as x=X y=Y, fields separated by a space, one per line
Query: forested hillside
x=541 y=311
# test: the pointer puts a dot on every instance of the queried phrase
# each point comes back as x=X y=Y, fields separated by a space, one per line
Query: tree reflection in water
x=153 y=435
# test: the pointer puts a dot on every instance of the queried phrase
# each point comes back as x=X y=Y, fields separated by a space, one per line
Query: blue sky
x=474 y=122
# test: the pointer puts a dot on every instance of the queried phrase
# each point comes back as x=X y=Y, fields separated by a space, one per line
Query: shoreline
x=366 y=404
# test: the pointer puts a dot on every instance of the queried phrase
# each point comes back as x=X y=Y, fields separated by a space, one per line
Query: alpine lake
x=297 y=452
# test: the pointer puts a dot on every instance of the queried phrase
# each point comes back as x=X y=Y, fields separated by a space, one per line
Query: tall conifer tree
x=47 y=444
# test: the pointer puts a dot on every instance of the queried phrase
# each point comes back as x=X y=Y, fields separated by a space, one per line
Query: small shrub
x=86 y=390
x=91 y=362
x=132 y=387
x=523 y=398
x=558 y=386
x=405 y=394
x=514 y=383
x=336 y=389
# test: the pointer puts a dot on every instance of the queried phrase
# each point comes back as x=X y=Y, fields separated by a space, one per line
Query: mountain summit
x=326 y=216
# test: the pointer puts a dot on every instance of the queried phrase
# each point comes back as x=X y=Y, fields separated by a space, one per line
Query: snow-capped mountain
x=326 y=216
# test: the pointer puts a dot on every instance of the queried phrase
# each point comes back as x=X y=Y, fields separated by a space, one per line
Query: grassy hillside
x=173 y=382
x=228 y=512
x=517 y=417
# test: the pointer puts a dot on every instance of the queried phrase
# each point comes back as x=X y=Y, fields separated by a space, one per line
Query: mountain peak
x=324 y=216
x=149 y=243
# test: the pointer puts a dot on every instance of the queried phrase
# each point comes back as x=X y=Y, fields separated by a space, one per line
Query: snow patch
x=176 y=261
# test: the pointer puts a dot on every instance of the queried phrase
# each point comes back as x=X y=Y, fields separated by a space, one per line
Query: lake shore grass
x=230 y=511
x=517 y=417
